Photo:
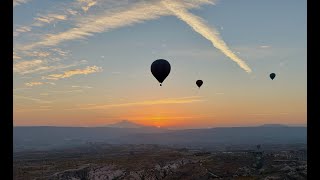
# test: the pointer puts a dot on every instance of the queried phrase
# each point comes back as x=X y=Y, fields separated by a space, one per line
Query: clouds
x=43 y=61
x=87 y=4
x=182 y=100
x=25 y=67
x=39 y=66
x=30 y=84
x=22 y=29
x=121 y=17
x=67 y=74
x=41 y=20
x=52 y=53
x=209 y=33
x=132 y=14
x=265 y=46
x=85 y=87
x=32 y=99
x=55 y=36
x=35 y=83
x=38 y=56
x=102 y=23
x=18 y=2
x=15 y=56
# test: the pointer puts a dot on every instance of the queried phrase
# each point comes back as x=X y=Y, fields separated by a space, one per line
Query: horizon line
x=169 y=128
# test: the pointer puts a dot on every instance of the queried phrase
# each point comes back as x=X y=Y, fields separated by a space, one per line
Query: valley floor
x=98 y=162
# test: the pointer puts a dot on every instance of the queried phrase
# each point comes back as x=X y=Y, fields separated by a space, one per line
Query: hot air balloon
x=160 y=69
x=199 y=83
x=272 y=75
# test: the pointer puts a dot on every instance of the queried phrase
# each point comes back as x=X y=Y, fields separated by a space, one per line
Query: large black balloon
x=199 y=83
x=272 y=75
x=160 y=69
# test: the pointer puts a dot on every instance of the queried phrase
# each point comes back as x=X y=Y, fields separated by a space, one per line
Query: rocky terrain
x=152 y=162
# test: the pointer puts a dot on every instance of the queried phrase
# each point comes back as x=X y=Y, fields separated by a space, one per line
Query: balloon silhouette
x=160 y=69
x=272 y=75
x=199 y=83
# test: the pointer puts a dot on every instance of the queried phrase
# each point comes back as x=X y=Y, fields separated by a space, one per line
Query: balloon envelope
x=272 y=75
x=199 y=83
x=160 y=69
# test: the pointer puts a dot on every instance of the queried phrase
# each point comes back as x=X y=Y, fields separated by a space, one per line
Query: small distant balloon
x=160 y=69
x=272 y=75
x=199 y=83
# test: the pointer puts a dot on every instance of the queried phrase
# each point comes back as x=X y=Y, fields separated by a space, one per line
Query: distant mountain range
x=274 y=125
x=126 y=132
x=125 y=124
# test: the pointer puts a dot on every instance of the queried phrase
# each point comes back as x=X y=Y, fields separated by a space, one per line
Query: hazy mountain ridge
x=125 y=124
x=55 y=137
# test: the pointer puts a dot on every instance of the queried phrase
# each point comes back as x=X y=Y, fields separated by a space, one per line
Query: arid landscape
x=102 y=161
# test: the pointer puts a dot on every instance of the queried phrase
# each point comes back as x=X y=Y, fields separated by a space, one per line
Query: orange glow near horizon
x=214 y=111
x=161 y=119
x=99 y=73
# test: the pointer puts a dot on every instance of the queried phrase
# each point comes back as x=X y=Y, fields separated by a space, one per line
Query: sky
x=87 y=62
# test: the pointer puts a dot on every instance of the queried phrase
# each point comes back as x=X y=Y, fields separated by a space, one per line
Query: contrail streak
x=200 y=27
x=139 y=13
x=133 y=14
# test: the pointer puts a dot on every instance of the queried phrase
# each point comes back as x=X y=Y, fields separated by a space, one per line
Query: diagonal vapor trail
x=200 y=27
x=138 y=13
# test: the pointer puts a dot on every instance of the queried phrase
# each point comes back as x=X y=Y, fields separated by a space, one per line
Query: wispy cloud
x=67 y=74
x=48 y=54
x=40 y=21
x=15 y=56
x=60 y=13
x=209 y=33
x=21 y=89
x=60 y=51
x=265 y=46
x=72 y=12
x=21 y=29
x=31 y=110
x=54 y=54
x=51 y=83
x=39 y=54
x=87 y=4
x=49 y=18
x=86 y=87
x=18 y=2
x=35 y=83
x=32 y=99
x=30 y=84
x=66 y=91
x=182 y=100
x=36 y=66
x=25 y=67
x=136 y=13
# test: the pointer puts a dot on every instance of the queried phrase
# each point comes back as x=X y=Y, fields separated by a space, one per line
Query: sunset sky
x=87 y=62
